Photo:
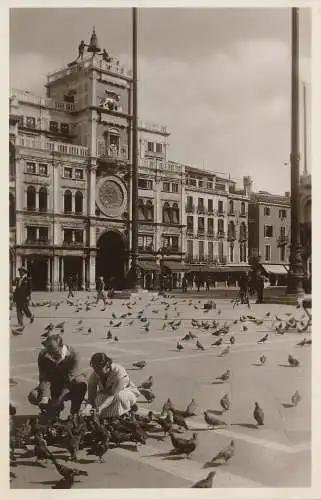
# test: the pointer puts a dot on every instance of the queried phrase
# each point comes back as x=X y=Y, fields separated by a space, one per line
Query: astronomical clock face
x=111 y=196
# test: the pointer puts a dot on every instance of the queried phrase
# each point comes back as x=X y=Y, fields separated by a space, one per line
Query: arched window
x=242 y=231
x=12 y=211
x=166 y=213
x=220 y=225
x=31 y=198
x=141 y=209
x=67 y=201
x=243 y=252
x=43 y=199
x=242 y=208
x=149 y=210
x=231 y=229
x=231 y=204
x=78 y=202
x=175 y=214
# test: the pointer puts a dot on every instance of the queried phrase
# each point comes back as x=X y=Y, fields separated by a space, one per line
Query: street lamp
x=134 y=155
x=296 y=272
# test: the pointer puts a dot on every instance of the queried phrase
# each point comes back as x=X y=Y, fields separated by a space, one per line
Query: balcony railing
x=154 y=127
x=210 y=234
x=283 y=240
x=243 y=237
x=146 y=249
x=73 y=243
x=201 y=210
x=220 y=213
x=242 y=214
x=201 y=233
x=231 y=213
x=221 y=234
x=190 y=232
x=189 y=209
x=52 y=146
x=26 y=97
x=37 y=242
x=112 y=152
x=231 y=236
x=210 y=211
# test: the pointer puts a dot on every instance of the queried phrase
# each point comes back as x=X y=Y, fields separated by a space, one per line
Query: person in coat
x=59 y=378
x=100 y=287
x=21 y=297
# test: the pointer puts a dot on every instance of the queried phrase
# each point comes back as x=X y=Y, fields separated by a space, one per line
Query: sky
x=218 y=78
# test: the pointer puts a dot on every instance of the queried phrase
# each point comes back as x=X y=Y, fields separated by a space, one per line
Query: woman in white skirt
x=110 y=390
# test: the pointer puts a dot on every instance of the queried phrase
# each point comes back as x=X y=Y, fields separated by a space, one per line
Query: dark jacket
x=100 y=286
x=23 y=289
x=60 y=372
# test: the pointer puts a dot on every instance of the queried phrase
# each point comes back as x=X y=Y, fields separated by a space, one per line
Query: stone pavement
x=275 y=455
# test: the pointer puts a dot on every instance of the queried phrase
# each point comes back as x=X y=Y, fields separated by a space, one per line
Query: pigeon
x=67 y=472
x=296 y=398
x=186 y=337
x=263 y=339
x=179 y=346
x=191 y=409
x=225 y=376
x=16 y=332
x=211 y=420
x=148 y=394
x=116 y=339
x=140 y=364
x=166 y=423
x=244 y=328
x=225 y=454
x=218 y=342
x=205 y=483
x=267 y=314
x=89 y=330
x=148 y=384
x=232 y=339
x=302 y=342
x=262 y=359
x=199 y=345
x=41 y=451
x=49 y=327
x=183 y=445
x=78 y=322
x=192 y=336
x=225 y=402
x=168 y=405
x=224 y=352
x=117 y=325
x=292 y=361
x=178 y=419
x=60 y=325
x=258 y=414
x=109 y=335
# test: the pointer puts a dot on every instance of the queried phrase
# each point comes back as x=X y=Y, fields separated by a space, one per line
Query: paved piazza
x=275 y=455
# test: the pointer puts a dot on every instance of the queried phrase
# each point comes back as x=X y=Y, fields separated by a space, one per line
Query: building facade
x=306 y=222
x=270 y=231
x=70 y=186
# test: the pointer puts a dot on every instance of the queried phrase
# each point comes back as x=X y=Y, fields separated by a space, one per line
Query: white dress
x=119 y=385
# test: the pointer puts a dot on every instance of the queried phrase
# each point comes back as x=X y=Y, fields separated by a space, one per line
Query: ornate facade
x=70 y=185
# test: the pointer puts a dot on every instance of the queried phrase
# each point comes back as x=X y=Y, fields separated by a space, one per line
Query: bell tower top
x=93 y=44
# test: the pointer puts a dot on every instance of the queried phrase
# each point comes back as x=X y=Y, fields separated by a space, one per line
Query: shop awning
x=274 y=269
x=217 y=269
x=148 y=265
x=175 y=266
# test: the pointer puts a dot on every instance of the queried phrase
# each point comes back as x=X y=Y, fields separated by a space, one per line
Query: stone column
x=73 y=202
x=18 y=263
x=92 y=188
x=62 y=273
x=84 y=273
x=55 y=274
x=37 y=199
x=48 y=273
x=92 y=272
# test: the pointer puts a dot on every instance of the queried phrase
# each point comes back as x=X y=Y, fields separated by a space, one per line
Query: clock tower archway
x=110 y=258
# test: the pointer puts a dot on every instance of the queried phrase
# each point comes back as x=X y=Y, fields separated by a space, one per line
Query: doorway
x=110 y=260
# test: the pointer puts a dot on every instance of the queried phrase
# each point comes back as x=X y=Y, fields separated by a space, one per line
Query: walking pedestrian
x=70 y=286
x=100 y=287
x=244 y=284
x=21 y=297
x=110 y=390
x=58 y=378
x=259 y=288
x=184 y=284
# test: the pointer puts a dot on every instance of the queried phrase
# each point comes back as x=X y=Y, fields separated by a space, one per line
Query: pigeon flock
x=98 y=436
